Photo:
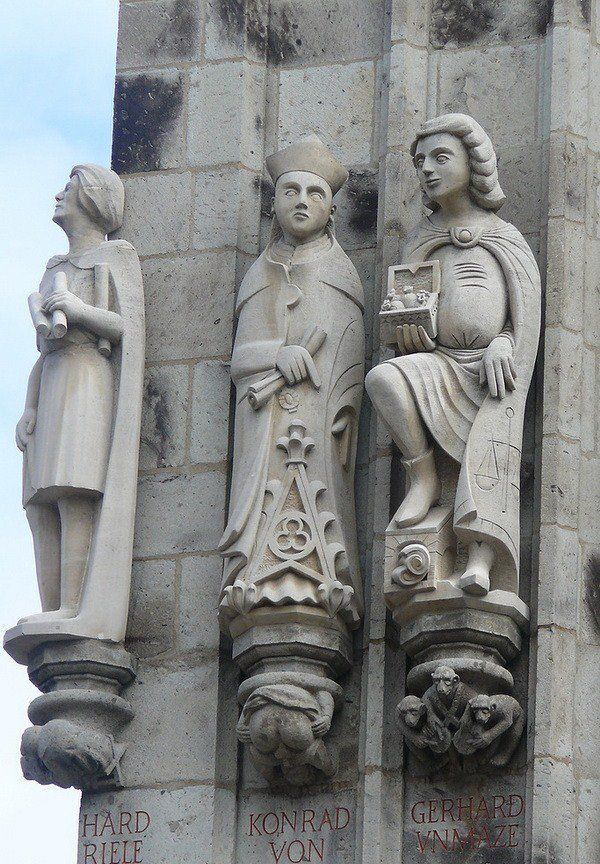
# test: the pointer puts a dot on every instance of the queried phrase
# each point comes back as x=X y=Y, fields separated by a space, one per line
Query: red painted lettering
x=516 y=805
x=140 y=817
x=512 y=835
x=93 y=822
x=422 y=843
x=447 y=809
x=467 y=807
x=325 y=821
x=285 y=818
x=306 y=819
x=320 y=851
x=274 y=851
x=126 y=860
x=457 y=838
x=253 y=825
x=137 y=850
x=89 y=850
x=482 y=810
x=114 y=851
x=421 y=819
x=296 y=843
x=124 y=820
x=346 y=812
x=275 y=827
x=499 y=801
x=108 y=823
x=437 y=836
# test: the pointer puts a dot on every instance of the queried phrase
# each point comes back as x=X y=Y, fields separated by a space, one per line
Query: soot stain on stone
x=155 y=403
x=461 y=21
x=545 y=10
x=267 y=193
x=146 y=109
x=250 y=18
x=586 y=9
x=592 y=586
x=180 y=34
x=362 y=194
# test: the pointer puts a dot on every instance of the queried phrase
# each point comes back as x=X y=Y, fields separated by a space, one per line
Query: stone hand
x=321 y=725
x=66 y=302
x=498 y=367
x=25 y=427
x=413 y=338
x=296 y=365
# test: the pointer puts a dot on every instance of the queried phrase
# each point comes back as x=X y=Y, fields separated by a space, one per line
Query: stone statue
x=453 y=721
x=424 y=735
x=465 y=389
x=284 y=725
x=298 y=365
x=79 y=432
x=490 y=730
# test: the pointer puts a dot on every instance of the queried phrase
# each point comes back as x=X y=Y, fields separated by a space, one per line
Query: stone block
x=560 y=482
x=172 y=736
x=226 y=104
x=586 y=706
x=227 y=210
x=520 y=172
x=554 y=812
x=410 y=22
x=591 y=299
x=169 y=825
x=210 y=412
x=198 y=603
x=590 y=385
x=569 y=105
x=336 y=102
x=237 y=29
x=179 y=513
x=588 y=833
x=469 y=84
x=558 y=571
x=164 y=416
x=407 y=93
x=159 y=32
x=562 y=382
x=555 y=690
x=150 y=629
x=589 y=507
x=565 y=274
x=568 y=170
x=148 y=123
x=158 y=211
x=594 y=99
x=356 y=215
x=459 y=23
x=203 y=282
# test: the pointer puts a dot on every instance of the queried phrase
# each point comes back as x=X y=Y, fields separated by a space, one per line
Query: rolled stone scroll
x=259 y=394
x=59 y=319
x=41 y=321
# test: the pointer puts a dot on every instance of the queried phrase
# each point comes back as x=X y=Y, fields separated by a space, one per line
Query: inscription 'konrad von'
x=282 y=824
x=465 y=824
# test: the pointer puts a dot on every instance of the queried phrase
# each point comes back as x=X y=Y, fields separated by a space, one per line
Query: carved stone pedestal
x=290 y=657
x=79 y=716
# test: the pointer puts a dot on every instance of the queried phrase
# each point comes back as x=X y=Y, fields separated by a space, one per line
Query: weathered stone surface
x=563 y=383
x=210 y=414
x=179 y=513
x=344 y=117
x=457 y=23
x=198 y=602
x=159 y=32
x=204 y=281
x=225 y=210
x=225 y=100
x=150 y=628
x=158 y=212
x=164 y=416
x=586 y=706
x=148 y=125
x=157 y=825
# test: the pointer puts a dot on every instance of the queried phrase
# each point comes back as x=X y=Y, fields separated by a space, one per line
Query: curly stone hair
x=484 y=187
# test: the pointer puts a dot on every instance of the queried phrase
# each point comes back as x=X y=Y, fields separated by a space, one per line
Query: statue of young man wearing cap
x=298 y=369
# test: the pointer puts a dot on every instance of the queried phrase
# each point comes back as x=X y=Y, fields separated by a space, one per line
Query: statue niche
x=290 y=552
x=462 y=310
x=79 y=434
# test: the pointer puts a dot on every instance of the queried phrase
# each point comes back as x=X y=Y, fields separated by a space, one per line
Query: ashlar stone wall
x=205 y=89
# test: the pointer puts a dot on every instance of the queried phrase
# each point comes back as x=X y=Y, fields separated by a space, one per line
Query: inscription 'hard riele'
x=305 y=822
x=465 y=824
x=114 y=838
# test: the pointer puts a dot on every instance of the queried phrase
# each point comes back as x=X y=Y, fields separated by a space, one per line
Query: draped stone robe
x=490 y=286
x=286 y=291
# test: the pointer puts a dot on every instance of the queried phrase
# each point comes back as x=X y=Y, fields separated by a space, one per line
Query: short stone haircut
x=484 y=187
x=443 y=672
x=102 y=195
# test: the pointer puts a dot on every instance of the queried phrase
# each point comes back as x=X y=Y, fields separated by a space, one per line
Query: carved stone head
x=482 y=707
x=453 y=154
x=446 y=681
x=93 y=194
x=411 y=712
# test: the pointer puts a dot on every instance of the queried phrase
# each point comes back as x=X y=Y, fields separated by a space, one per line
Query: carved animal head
x=411 y=711
x=482 y=709
x=446 y=681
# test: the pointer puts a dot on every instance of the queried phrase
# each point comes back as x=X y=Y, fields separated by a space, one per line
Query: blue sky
x=57 y=66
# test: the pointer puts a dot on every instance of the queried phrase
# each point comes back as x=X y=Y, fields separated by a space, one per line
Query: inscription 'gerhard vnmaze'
x=278 y=827
x=469 y=823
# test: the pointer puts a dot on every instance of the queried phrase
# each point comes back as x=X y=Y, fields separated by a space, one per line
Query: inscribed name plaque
x=284 y=830
x=481 y=823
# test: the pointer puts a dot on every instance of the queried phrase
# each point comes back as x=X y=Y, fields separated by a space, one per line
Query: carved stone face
x=302 y=205
x=482 y=715
x=446 y=684
x=68 y=209
x=411 y=717
x=442 y=165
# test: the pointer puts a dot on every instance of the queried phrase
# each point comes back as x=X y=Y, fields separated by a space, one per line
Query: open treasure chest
x=412 y=298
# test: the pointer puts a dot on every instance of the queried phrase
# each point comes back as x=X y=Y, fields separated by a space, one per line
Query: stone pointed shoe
x=52 y=615
x=424 y=490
